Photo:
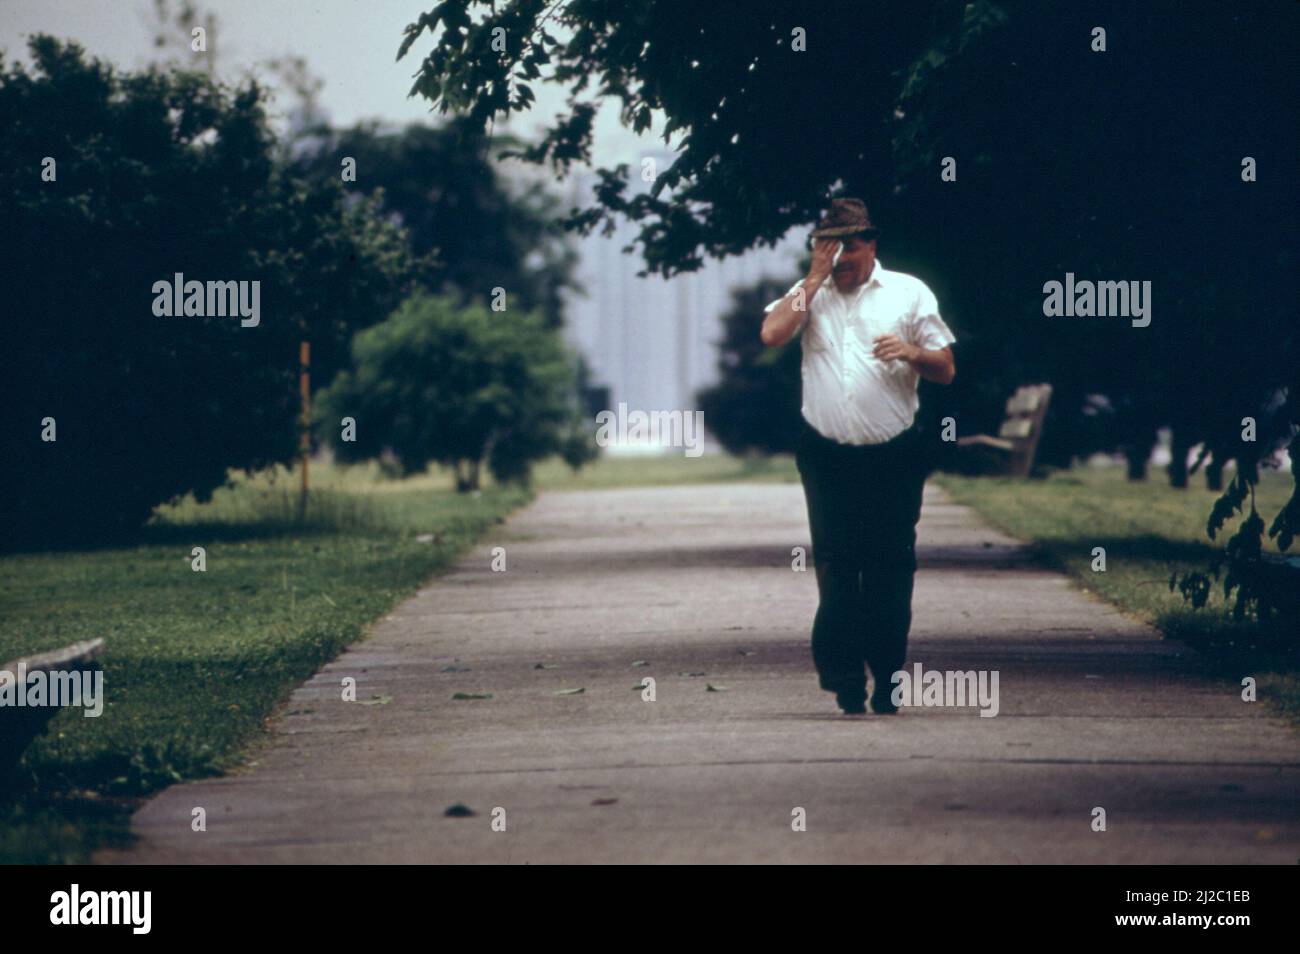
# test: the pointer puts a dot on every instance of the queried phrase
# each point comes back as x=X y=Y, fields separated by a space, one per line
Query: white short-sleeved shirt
x=849 y=395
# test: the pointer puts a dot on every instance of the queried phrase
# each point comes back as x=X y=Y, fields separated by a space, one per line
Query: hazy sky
x=349 y=44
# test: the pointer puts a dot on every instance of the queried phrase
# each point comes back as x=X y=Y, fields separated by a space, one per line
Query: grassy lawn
x=1148 y=530
x=662 y=469
x=195 y=662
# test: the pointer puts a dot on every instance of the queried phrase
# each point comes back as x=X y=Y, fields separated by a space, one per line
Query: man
x=869 y=334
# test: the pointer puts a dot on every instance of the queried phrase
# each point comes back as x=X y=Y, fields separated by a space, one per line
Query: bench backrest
x=20 y=724
x=1023 y=425
x=77 y=656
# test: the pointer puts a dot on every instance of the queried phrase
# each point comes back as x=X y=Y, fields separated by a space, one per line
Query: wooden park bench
x=19 y=725
x=1011 y=452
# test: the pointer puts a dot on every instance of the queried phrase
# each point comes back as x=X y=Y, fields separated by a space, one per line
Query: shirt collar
x=878 y=277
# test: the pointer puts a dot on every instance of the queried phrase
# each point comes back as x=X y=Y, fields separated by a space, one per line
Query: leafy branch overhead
x=722 y=85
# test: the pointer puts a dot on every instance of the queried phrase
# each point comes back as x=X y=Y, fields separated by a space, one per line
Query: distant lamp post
x=304 y=434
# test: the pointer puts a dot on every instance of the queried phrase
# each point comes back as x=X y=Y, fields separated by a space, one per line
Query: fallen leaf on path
x=605 y=801
x=380 y=700
x=547 y=666
x=569 y=692
x=460 y=811
x=712 y=688
x=472 y=695
x=639 y=662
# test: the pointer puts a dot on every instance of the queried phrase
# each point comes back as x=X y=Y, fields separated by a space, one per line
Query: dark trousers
x=863 y=506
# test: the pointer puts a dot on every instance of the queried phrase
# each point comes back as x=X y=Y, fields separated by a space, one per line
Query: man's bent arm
x=784 y=320
x=936 y=366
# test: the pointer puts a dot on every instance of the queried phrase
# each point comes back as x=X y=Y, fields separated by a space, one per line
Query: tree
x=148 y=175
x=1261 y=588
x=755 y=404
x=460 y=386
x=1130 y=151
x=476 y=231
x=1110 y=164
x=172 y=34
x=732 y=83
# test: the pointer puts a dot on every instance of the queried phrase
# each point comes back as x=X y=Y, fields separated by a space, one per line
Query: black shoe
x=851 y=703
x=883 y=705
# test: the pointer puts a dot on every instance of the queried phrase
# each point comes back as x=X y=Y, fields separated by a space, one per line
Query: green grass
x=665 y=469
x=196 y=662
x=1149 y=530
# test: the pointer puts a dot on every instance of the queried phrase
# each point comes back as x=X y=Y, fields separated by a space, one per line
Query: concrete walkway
x=1095 y=711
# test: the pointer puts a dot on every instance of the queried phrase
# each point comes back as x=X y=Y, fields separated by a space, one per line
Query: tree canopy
x=111 y=182
x=435 y=382
x=1114 y=140
x=1124 y=162
x=475 y=229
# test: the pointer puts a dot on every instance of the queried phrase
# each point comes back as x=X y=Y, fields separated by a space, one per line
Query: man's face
x=855 y=264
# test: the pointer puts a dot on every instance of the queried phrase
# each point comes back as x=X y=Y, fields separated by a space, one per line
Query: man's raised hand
x=823 y=260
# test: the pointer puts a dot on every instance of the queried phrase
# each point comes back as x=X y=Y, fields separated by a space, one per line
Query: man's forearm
x=784 y=320
x=936 y=366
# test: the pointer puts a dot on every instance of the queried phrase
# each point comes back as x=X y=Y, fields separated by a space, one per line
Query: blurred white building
x=653 y=341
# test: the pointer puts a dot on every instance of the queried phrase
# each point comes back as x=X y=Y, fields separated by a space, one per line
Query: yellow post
x=304 y=437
